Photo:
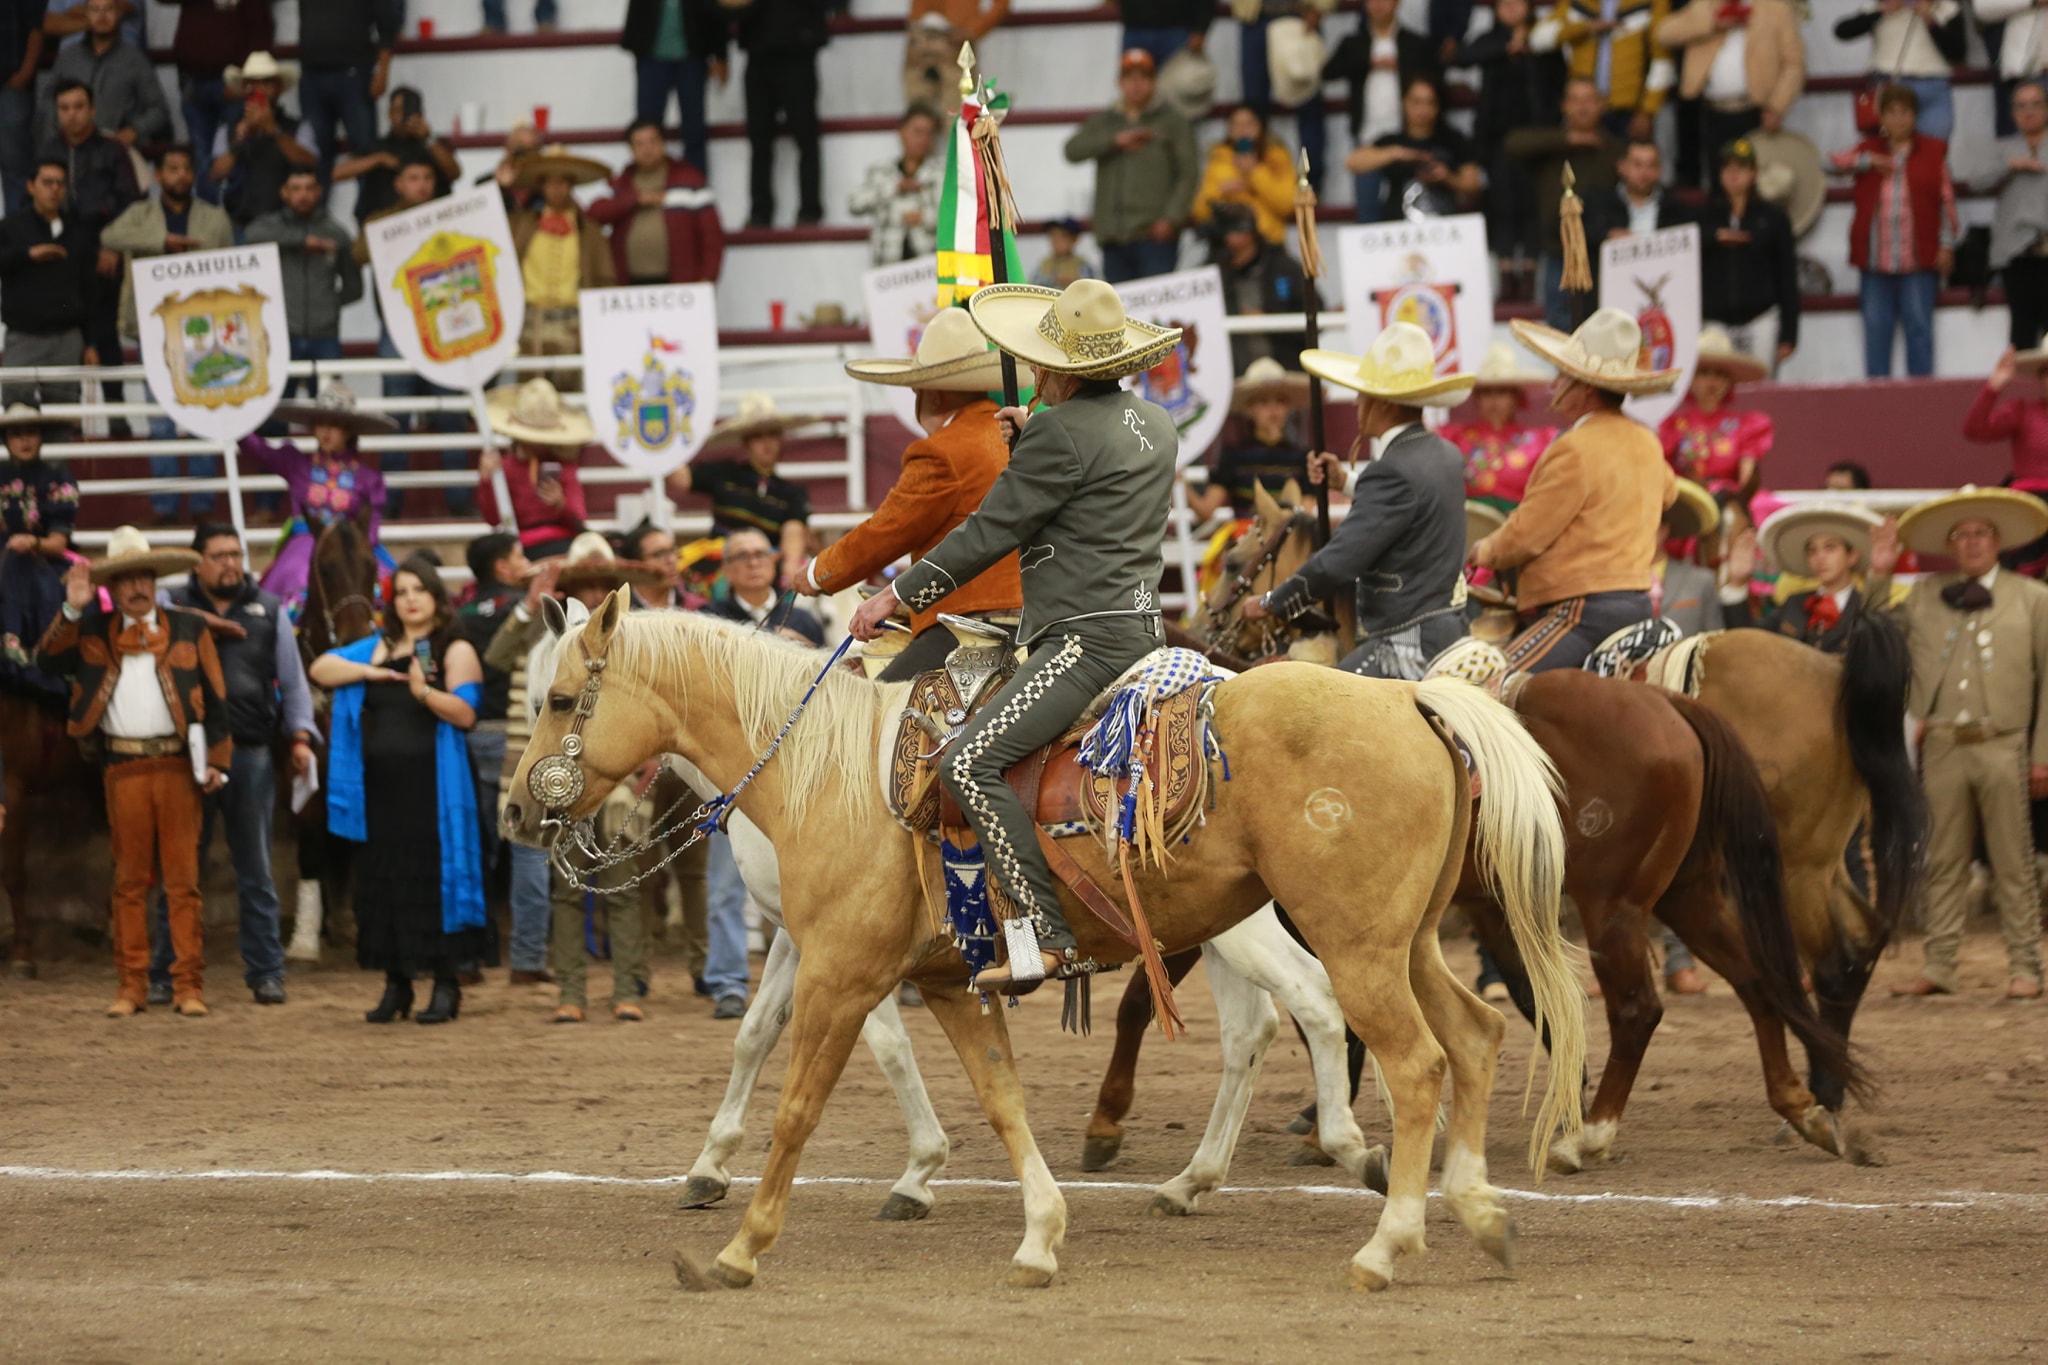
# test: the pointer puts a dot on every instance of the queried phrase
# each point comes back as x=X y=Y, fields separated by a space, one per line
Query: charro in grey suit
x=1084 y=503
x=1401 y=550
x=1691 y=597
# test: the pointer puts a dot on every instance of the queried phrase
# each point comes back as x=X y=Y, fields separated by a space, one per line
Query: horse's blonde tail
x=1518 y=846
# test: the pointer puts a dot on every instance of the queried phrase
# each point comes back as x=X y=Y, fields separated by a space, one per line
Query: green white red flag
x=965 y=252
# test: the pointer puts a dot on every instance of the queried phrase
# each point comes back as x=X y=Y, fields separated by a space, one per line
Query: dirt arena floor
x=1706 y=1239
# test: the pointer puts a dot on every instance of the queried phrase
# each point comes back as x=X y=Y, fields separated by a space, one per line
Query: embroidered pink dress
x=1709 y=448
x=1498 y=460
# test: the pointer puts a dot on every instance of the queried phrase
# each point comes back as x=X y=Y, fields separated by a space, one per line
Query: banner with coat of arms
x=650 y=371
x=1654 y=277
x=448 y=281
x=214 y=338
x=901 y=299
x=1433 y=272
x=1193 y=383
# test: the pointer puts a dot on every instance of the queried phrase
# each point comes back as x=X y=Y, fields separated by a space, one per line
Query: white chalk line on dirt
x=1982 y=1199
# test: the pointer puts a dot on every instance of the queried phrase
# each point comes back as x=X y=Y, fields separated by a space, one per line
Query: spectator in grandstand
x=21 y=52
x=1520 y=87
x=65 y=23
x=409 y=139
x=1252 y=168
x=1845 y=476
x=1500 y=450
x=1706 y=440
x=1161 y=28
x=212 y=36
x=1378 y=61
x=334 y=483
x=1145 y=174
x=546 y=438
x=543 y=16
x=1425 y=168
x=1594 y=156
x=1263 y=448
x=676 y=45
x=498 y=572
x=316 y=255
x=948 y=23
x=2022 y=423
x=264 y=146
x=1916 y=44
x=1749 y=269
x=175 y=220
x=1283 y=39
x=647 y=543
x=900 y=196
x=100 y=187
x=38 y=505
x=748 y=493
x=1258 y=277
x=520 y=145
x=1903 y=236
x=47 y=271
x=781 y=39
x=346 y=47
x=662 y=216
x=562 y=251
x=128 y=100
x=750 y=573
x=1613 y=45
x=1637 y=203
x=2017 y=171
x=1063 y=263
x=2016 y=39
x=509 y=637
x=1742 y=65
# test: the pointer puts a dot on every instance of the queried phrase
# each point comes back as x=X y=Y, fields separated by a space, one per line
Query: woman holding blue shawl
x=399 y=778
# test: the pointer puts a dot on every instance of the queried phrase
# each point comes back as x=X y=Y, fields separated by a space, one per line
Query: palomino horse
x=1368 y=877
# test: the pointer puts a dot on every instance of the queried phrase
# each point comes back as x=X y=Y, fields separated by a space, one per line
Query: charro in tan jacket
x=1987 y=668
x=1773 y=55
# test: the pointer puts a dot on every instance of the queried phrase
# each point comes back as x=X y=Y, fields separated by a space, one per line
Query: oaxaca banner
x=901 y=299
x=1433 y=272
x=1194 y=382
x=449 y=284
x=650 y=371
x=1654 y=277
x=214 y=338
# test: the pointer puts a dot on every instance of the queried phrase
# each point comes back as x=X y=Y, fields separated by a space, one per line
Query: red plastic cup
x=776 y=310
x=540 y=118
x=426 y=28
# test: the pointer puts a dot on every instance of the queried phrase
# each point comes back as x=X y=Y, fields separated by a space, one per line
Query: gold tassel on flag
x=1571 y=226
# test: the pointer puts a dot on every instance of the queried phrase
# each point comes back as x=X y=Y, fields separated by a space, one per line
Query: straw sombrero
x=1693 y=512
x=1502 y=371
x=1482 y=519
x=1717 y=352
x=557 y=159
x=1784 y=534
x=2019 y=517
x=336 y=407
x=24 y=415
x=261 y=66
x=757 y=417
x=533 y=412
x=1606 y=352
x=1267 y=378
x=128 y=552
x=952 y=355
x=1789 y=174
x=1399 y=366
x=1080 y=330
x=591 y=559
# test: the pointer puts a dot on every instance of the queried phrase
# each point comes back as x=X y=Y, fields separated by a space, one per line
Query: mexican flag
x=964 y=248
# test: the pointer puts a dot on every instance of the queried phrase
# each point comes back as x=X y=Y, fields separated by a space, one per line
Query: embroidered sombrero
x=336 y=407
x=1693 y=513
x=1606 y=352
x=1080 y=330
x=1399 y=366
x=952 y=355
x=1717 y=352
x=1501 y=370
x=1266 y=378
x=128 y=552
x=1784 y=534
x=2019 y=517
x=757 y=417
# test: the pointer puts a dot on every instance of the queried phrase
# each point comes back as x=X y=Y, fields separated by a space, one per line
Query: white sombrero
x=757 y=417
x=1717 y=352
x=1080 y=330
x=1482 y=519
x=952 y=355
x=261 y=66
x=1606 y=352
x=336 y=407
x=1399 y=366
x=1693 y=512
x=533 y=412
x=1267 y=378
x=1784 y=534
x=2019 y=517
x=24 y=415
x=1501 y=370
x=128 y=552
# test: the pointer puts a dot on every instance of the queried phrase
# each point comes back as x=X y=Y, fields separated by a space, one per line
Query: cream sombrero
x=1606 y=352
x=533 y=412
x=1693 y=512
x=557 y=159
x=757 y=417
x=591 y=559
x=1482 y=519
x=1502 y=371
x=952 y=355
x=2019 y=517
x=1080 y=330
x=1784 y=534
x=128 y=552
x=1267 y=378
x=1399 y=366
x=1717 y=352
x=261 y=66
x=24 y=415
x=336 y=407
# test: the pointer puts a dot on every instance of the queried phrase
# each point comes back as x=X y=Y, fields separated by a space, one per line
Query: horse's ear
x=603 y=622
x=1268 y=510
x=575 y=614
x=1290 y=494
x=552 y=617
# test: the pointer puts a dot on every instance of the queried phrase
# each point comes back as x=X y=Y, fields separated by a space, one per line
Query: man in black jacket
x=1258 y=277
x=1637 y=203
x=345 y=48
x=781 y=39
x=676 y=44
x=45 y=273
x=100 y=187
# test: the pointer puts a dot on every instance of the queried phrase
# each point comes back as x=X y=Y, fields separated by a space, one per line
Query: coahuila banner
x=449 y=283
x=650 y=371
x=1654 y=277
x=1432 y=272
x=901 y=299
x=1194 y=382
x=214 y=338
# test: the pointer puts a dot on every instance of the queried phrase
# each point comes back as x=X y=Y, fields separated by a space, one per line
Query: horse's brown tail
x=1736 y=823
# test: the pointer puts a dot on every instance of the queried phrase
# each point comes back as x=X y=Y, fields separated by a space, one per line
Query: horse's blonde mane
x=837 y=736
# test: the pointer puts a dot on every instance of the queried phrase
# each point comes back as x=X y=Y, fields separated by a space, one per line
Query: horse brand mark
x=1596 y=817
x=1326 y=809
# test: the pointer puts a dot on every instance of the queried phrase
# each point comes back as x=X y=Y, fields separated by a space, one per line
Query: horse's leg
x=1841 y=974
x=983 y=1042
x=1246 y=1021
x=911 y=1198
x=312 y=841
x=1470 y=1031
x=14 y=878
x=1621 y=961
x=766 y=1014
x=1387 y=1016
x=1105 y=1133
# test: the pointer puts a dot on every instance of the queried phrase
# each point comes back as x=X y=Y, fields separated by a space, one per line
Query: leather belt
x=1969 y=731
x=161 y=746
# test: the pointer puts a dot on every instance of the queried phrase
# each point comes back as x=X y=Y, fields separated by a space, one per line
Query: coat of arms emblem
x=655 y=408
x=1660 y=338
x=1426 y=303
x=216 y=346
x=1170 y=383
x=451 y=285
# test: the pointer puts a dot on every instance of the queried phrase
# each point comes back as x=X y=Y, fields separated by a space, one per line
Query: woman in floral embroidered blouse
x=1500 y=452
x=1706 y=440
x=327 y=485
x=38 y=504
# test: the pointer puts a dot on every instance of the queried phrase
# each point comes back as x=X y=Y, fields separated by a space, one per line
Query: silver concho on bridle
x=557 y=780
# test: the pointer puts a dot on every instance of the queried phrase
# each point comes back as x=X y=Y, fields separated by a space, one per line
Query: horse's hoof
x=1371 y=1281
x=1564 y=1158
x=1303 y=1124
x=1027 y=1277
x=1375 y=1174
x=1163 y=1206
x=731 y=1276
x=22 y=970
x=1823 y=1129
x=1098 y=1152
x=701 y=1192
x=1501 y=1245
x=901 y=1208
x=693 y=1275
x=1311 y=1155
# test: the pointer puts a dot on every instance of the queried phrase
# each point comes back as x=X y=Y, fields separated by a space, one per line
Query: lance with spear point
x=1311 y=306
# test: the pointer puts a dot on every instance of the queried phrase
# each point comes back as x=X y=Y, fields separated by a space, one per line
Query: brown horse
x=53 y=796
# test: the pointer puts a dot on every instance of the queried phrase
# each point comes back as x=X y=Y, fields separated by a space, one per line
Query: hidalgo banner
x=901 y=299
x=650 y=371
x=449 y=283
x=214 y=338
x=1193 y=383
x=1655 y=278
x=1432 y=272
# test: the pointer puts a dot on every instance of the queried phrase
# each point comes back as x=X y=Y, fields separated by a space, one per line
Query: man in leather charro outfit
x=1083 y=503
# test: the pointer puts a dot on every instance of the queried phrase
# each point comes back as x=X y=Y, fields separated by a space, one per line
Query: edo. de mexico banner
x=650 y=371
x=1654 y=277
x=449 y=284
x=1432 y=272
x=214 y=339
x=901 y=299
x=1194 y=382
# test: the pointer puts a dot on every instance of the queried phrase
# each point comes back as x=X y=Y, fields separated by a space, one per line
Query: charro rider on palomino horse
x=1084 y=504
x=1402 y=546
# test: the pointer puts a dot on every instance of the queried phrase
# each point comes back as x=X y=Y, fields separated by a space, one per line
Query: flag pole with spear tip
x=1311 y=306
x=1002 y=209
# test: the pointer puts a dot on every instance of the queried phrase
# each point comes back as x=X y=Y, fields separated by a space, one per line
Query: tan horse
x=1346 y=801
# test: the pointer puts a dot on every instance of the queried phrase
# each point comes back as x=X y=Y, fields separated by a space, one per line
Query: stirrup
x=1063 y=967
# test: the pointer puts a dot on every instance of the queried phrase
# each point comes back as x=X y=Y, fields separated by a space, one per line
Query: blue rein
x=721 y=808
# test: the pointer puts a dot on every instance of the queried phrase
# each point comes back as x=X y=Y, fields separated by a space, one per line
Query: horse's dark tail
x=1876 y=671
x=1736 y=823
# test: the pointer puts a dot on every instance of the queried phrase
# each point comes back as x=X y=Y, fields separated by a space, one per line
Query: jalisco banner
x=214 y=338
x=1654 y=277
x=1195 y=381
x=650 y=371
x=448 y=281
x=901 y=299
x=1433 y=272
